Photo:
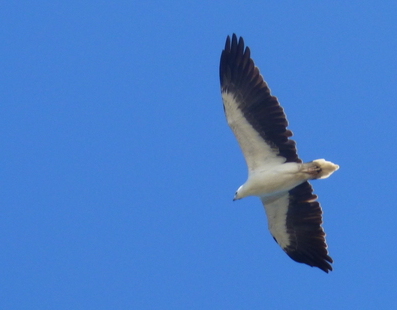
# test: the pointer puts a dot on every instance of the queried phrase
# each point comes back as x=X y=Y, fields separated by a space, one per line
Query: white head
x=238 y=195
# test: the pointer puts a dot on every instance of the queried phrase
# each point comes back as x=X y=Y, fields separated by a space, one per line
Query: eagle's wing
x=295 y=219
x=255 y=116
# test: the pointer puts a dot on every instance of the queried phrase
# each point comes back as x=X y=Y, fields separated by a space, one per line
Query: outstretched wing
x=255 y=116
x=295 y=219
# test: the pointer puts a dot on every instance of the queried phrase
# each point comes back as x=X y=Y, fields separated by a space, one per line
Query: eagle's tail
x=325 y=168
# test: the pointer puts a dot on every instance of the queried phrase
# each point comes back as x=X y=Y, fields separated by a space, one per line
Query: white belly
x=281 y=178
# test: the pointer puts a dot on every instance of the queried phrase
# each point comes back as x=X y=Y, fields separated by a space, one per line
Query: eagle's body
x=275 y=172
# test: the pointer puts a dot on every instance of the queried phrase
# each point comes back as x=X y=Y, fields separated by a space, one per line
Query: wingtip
x=322 y=263
x=227 y=44
x=233 y=40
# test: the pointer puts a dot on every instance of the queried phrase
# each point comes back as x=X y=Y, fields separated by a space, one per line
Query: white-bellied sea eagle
x=275 y=172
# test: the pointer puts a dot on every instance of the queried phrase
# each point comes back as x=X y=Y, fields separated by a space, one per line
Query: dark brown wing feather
x=307 y=237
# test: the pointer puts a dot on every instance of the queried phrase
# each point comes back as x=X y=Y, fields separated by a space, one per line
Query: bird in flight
x=275 y=172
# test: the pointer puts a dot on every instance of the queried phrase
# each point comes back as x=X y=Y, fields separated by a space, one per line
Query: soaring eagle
x=275 y=172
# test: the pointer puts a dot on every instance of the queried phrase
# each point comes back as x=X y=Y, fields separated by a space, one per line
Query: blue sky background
x=118 y=168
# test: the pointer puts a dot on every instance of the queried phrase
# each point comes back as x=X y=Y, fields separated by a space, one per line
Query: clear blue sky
x=118 y=168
